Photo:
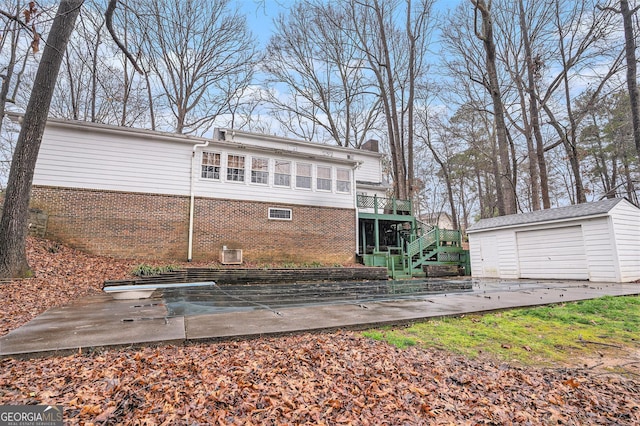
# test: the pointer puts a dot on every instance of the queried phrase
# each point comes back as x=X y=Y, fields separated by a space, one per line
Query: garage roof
x=597 y=208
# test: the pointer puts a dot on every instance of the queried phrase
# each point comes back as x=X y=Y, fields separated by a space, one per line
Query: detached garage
x=596 y=241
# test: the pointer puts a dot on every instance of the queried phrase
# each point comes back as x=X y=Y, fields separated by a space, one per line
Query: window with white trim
x=235 y=168
x=260 y=170
x=210 y=165
x=343 y=180
x=279 y=214
x=303 y=175
x=282 y=173
x=323 y=180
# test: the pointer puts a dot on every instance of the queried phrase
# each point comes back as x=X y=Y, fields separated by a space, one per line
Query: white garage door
x=556 y=253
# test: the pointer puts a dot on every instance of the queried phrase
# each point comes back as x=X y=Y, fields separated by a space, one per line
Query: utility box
x=231 y=256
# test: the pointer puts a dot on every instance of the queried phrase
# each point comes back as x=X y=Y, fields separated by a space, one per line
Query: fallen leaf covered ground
x=329 y=378
x=62 y=275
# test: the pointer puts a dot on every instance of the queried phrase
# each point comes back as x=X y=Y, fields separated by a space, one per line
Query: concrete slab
x=487 y=296
x=95 y=321
x=99 y=321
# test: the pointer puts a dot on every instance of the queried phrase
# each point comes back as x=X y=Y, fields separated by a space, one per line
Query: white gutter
x=192 y=198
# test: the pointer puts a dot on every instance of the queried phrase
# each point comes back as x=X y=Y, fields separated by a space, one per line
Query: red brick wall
x=148 y=226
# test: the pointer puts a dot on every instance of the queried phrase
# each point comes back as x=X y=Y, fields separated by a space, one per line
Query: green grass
x=544 y=335
x=391 y=337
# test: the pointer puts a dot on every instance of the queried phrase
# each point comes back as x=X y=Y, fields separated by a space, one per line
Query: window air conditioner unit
x=231 y=256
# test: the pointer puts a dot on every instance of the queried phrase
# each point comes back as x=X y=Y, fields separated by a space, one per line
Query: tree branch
x=109 y=18
x=15 y=18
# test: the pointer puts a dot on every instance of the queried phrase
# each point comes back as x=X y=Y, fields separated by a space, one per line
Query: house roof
x=217 y=139
x=231 y=134
x=597 y=208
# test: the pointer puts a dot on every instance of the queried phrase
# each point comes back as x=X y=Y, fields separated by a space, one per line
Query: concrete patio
x=100 y=321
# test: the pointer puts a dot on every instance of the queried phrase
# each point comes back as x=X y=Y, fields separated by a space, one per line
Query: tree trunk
x=395 y=135
x=410 y=105
x=632 y=85
x=530 y=125
x=508 y=206
x=94 y=72
x=15 y=215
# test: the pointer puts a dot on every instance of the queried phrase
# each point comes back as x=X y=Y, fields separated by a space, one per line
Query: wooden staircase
x=435 y=247
x=418 y=252
x=391 y=236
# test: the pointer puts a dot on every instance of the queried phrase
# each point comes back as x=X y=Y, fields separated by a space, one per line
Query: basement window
x=279 y=214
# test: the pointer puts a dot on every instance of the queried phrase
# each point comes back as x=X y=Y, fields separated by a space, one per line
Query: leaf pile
x=62 y=275
x=338 y=378
x=332 y=378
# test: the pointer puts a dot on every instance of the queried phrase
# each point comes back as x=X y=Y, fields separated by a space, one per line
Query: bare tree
x=442 y=151
x=537 y=162
x=396 y=54
x=584 y=40
x=15 y=56
x=607 y=139
x=473 y=122
x=201 y=54
x=632 y=66
x=545 y=59
x=13 y=225
x=313 y=55
x=19 y=40
x=97 y=83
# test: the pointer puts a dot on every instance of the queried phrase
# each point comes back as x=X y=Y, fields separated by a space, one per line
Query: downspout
x=355 y=199
x=192 y=198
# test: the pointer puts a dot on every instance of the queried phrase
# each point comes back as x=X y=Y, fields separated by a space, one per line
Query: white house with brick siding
x=129 y=192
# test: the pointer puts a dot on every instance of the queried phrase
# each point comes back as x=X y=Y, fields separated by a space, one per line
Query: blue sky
x=260 y=13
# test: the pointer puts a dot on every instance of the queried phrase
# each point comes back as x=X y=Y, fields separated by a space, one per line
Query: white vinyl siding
x=282 y=174
x=210 y=165
x=303 y=175
x=625 y=220
x=99 y=157
x=508 y=257
x=556 y=253
x=260 y=170
x=370 y=170
x=235 y=168
x=600 y=249
x=491 y=256
x=323 y=179
x=80 y=158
